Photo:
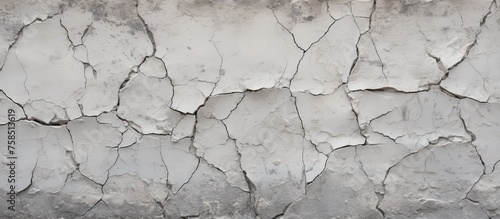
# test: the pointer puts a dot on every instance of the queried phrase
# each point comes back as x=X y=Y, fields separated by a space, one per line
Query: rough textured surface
x=260 y=109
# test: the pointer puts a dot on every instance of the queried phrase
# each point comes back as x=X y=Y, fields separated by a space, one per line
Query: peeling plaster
x=251 y=109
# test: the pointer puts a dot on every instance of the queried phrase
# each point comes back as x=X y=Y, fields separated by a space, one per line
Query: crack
x=54 y=120
x=290 y=32
x=470 y=46
x=304 y=51
x=387 y=136
x=354 y=62
x=26 y=79
x=340 y=148
x=163 y=161
x=34 y=168
x=473 y=136
x=370 y=18
x=232 y=110
x=191 y=216
x=215 y=83
x=480 y=177
x=173 y=91
x=322 y=171
x=324 y=34
x=363 y=33
x=148 y=31
x=132 y=72
x=107 y=176
x=485 y=211
x=253 y=192
x=379 y=58
x=391 y=89
x=190 y=177
x=32 y=172
x=73 y=155
x=440 y=66
x=282 y=215
x=20 y=32
x=19 y=105
x=461 y=18
x=162 y=207
x=304 y=180
x=381 y=195
x=482 y=78
x=100 y=200
x=361 y=129
x=85 y=33
x=296 y=44
x=494 y=166
x=67 y=177
x=296 y=70
x=223 y=172
x=90 y=209
x=122 y=86
x=50 y=124
x=460 y=97
x=358 y=159
x=67 y=32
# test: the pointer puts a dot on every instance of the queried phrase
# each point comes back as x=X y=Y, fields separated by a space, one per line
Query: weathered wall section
x=250 y=109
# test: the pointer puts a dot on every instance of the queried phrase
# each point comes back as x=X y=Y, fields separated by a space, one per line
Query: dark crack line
x=460 y=97
x=163 y=161
x=296 y=44
x=232 y=110
x=390 y=168
x=215 y=83
x=190 y=177
x=253 y=192
x=90 y=209
x=304 y=180
x=379 y=58
x=473 y=137
x=296 y=70
x=32 y=173
x=470 y=46
x=146 y=27
x=459 y=114
x=67 y=33
x=290 y=32
x=361 y=129
x=20 y=32
x=85 y=33
x=19 y=105
x=357 y=158
x=322 y=171
x=73 y=155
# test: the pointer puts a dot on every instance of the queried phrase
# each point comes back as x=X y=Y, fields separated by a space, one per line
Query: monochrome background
x=251 y=108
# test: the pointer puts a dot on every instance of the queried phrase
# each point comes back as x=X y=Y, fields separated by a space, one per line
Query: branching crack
x=253 y=192
x=470 y=46
x=290 y=32
x=19 y=33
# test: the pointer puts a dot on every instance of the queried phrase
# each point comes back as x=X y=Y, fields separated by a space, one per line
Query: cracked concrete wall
x=250 y=109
